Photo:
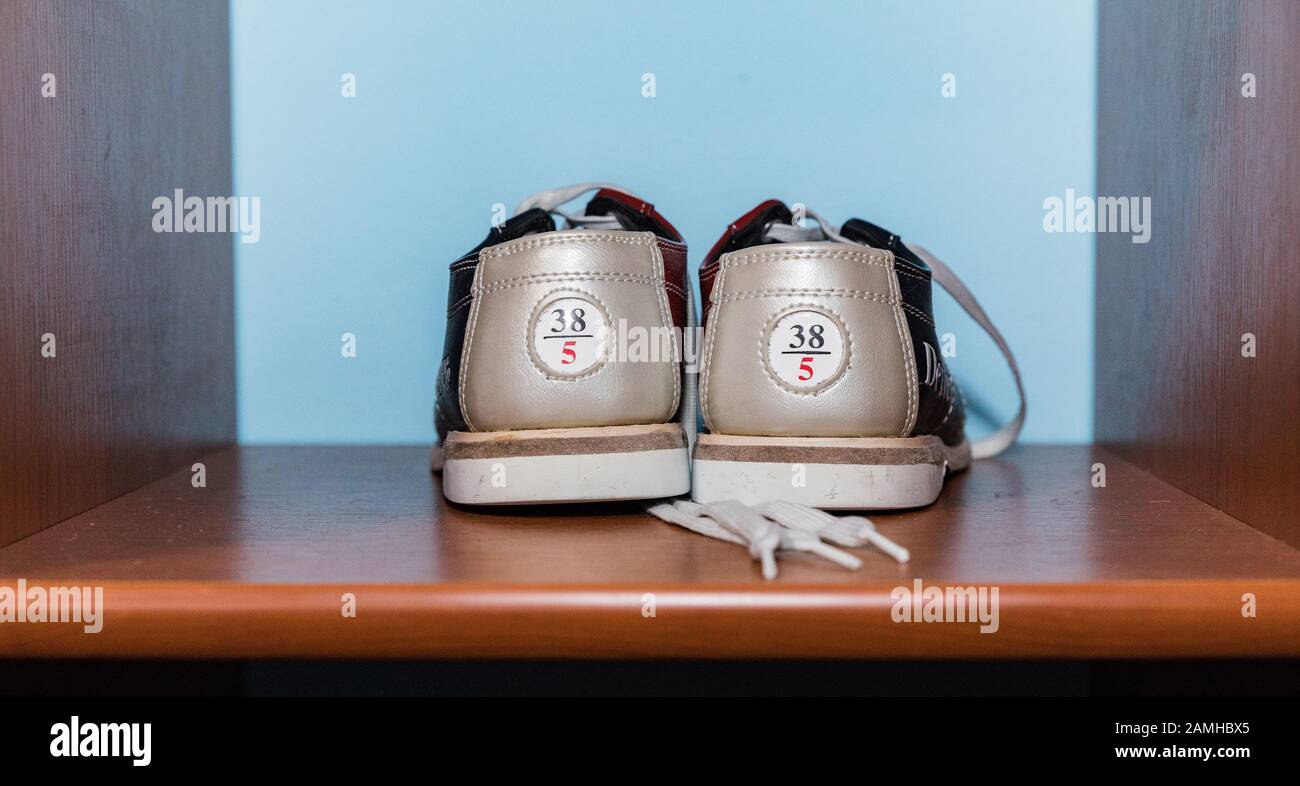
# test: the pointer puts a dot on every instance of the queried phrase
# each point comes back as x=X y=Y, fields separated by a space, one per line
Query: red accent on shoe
x=736 y=227
x=640 y=206
x=709 y=268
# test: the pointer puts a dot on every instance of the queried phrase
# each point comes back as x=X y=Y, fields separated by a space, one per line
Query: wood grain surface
x=1174 y=393
x=142 y=381
x=256 y=564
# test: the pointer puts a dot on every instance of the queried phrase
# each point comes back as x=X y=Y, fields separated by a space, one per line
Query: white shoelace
x=779 y=232
x=779 y=526
x=551 y=200
x=786 y=526
x=1005 y=435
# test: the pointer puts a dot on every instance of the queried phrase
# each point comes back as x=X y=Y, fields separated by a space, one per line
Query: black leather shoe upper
x=447 y=415
x=941 y=410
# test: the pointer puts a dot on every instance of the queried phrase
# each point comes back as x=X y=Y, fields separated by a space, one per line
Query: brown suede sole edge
x=563 y=442
x=821 y=454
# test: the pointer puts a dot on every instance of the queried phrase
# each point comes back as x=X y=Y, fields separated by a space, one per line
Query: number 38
x=814 y=339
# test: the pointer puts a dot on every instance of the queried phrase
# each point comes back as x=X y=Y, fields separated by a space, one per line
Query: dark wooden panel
x=1174 y=393
x=143 y=380
x=255 y=565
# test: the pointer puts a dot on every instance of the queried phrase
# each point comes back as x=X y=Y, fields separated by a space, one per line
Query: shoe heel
x=594 y=464
x=832 y=473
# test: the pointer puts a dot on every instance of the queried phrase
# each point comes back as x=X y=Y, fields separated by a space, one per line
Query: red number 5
x=805 y=364
x=568 y=353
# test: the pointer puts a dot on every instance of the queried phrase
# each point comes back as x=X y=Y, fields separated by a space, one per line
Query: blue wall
x=461 y=105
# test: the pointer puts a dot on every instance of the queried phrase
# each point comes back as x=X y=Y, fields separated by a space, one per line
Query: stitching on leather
x=668 y=245
x=854 y=256
x=515 y=246
x=764 y=337
x=459 y=304
x=910 y=274
x=909 y=360
x=916 y=312
x=528 y=334
x=666 y=317
x=914 y=268
x=462 y=381
x=454 y=307
x=547 y=278
x=856 y=294
x=944 y=422
x=875 y=257
x=952 y=407
x=706 y=360
x=962 y=396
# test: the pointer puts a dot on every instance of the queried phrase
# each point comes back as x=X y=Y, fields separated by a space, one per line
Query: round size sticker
x=569 y=335
x=806 y=350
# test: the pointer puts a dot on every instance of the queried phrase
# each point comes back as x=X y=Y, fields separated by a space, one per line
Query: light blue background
x=365 y=201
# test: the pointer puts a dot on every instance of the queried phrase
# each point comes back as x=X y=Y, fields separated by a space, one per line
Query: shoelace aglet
x=842 y=558
x=900 y=554
x=865 y=530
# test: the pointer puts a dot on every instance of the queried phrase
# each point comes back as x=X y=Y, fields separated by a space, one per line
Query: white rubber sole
x=603 y=464
x=831 y=473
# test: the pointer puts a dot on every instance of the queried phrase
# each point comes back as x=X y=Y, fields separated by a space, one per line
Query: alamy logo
x=180 y=213
x=1100 y=214
x=84 y=605
x=122 y=740
x=920 y=603
x=620 y=343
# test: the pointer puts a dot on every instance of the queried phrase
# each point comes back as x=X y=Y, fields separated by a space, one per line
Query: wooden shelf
x=255 y=564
